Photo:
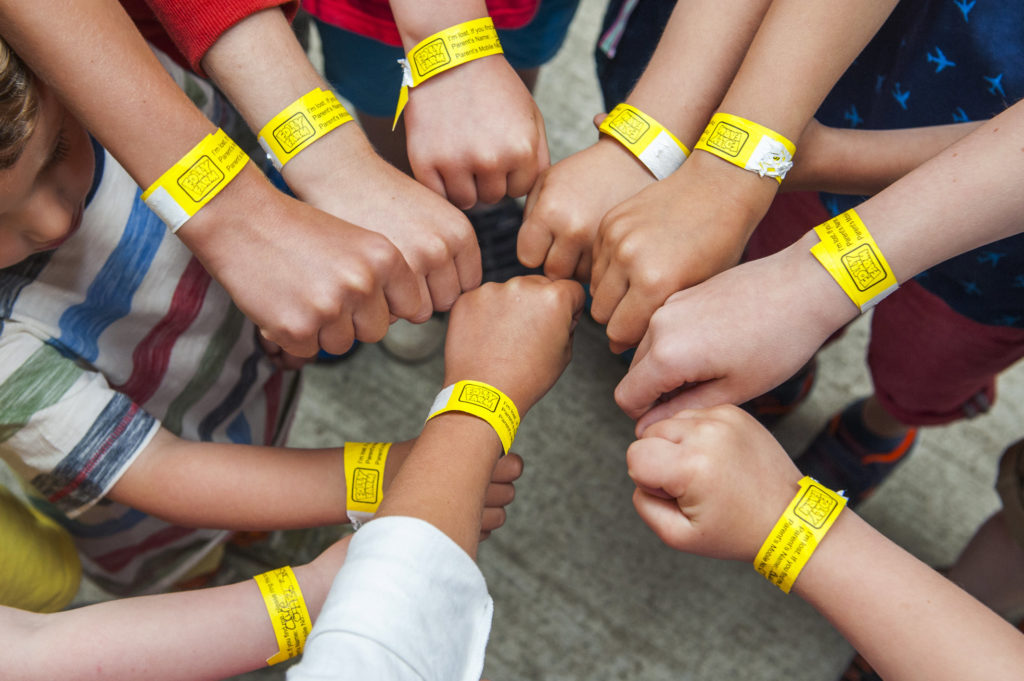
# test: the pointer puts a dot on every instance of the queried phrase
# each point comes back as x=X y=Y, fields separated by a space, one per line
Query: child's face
x=42 y=195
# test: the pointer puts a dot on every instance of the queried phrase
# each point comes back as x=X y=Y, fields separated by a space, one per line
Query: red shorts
x=929 y=364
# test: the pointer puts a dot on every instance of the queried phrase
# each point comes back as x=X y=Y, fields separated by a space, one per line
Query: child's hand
x=726 y=478
x=565 y=207
x=342 y=175
x=306 y=278
x=673 y=234
x=516 y=336
x=735 y=336
x=500 y=493
x=475 y=133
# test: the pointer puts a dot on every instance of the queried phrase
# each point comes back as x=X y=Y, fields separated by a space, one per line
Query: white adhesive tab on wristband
x=645 y=138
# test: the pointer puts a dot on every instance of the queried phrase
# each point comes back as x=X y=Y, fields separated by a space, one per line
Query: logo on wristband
x=431 y=56
x=480 y=396
x=864 y=267
x=365 y=484
x=630 y=126
x=815 y=506
x=293 y=132
x=728 y=139
x=200 y=179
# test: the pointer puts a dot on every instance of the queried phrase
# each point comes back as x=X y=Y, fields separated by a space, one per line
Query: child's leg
x=929 y=366
x=991 y=566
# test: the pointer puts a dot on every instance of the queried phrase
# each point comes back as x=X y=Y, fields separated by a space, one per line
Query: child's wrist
x=227 y=216
x=321 y=170
x=803 y=525
x=824 y=301
x=484 y=400
x=519 y=397
x=748 y=192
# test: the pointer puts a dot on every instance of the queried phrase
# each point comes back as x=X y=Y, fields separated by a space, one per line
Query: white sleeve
x=408 y=603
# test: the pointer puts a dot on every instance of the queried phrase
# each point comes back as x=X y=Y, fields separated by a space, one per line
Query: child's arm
x=341 y=173
x=331 y=283
x=728 y=482
x=695 y=223
x=864 y=162
x=203 y=634
x=474 y=132
x=686 y=78
x=517 y=338
x=248 y=487
x=714 y=338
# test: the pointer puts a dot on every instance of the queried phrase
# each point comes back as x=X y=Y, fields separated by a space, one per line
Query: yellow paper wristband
x=302 y=122
x=364 y=479
x=445 y=50
x=483 y=401
x=194 y=180
x=798 y=532
x=854 y=260
x=748 y=145
x=645 y=138
x=287 y=610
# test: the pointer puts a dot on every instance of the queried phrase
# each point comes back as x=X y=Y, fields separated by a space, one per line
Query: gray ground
x=582 y=589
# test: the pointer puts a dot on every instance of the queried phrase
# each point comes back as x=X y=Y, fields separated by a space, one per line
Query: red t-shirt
x=186 y=30
x=373 y=18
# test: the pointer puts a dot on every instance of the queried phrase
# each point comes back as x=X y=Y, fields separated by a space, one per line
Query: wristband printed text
x=645 y=138
x=301 y=123
x=445 y=50
x=854 y=260
x=287 y=610
x=483 y=401
x=798 y=532
x=748 y=145
x=194 y=180
x=364 y=479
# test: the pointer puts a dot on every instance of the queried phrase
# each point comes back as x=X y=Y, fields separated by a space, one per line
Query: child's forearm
x=694 y=63
x=138 y=100
x=963 y=198
x=907 y=620
x=260 y=65
x=798 y=54
x=445 y=476
x=865 y=162
x=417 y=20
x=239 y=487
x=204 y=634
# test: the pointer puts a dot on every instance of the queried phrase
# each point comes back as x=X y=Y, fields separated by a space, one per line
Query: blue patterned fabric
x=936 y=62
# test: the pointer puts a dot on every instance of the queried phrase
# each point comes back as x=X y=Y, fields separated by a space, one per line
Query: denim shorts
x=366 y=72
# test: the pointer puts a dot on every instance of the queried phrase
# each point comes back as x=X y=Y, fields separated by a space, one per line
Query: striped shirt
x=117 y=332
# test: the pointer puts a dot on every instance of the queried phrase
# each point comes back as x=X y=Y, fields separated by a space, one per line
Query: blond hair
x=19 y=105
